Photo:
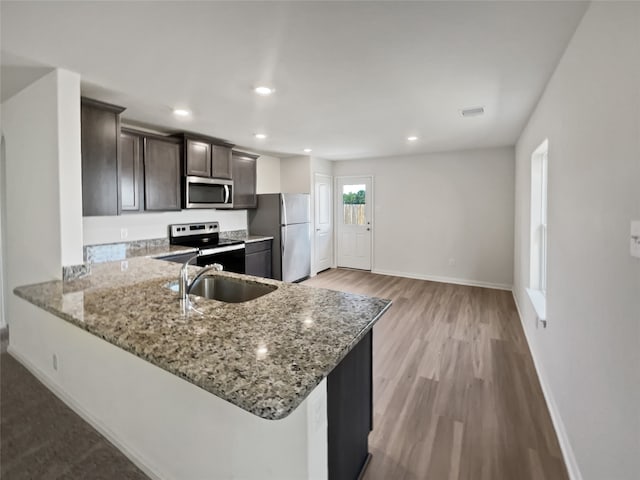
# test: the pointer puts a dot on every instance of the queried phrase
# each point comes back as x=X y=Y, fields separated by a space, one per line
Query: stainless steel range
x=211 y=248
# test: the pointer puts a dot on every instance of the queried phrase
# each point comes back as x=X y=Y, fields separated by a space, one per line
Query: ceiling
x=352 y=79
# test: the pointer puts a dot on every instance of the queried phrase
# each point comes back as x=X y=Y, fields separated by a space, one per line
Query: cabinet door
x=258 y=264
x=198 y=158
x=161 y=174
x=244 y=181
x=130 y=173
x=100 y=133
x=221 y=162
x=350 y=411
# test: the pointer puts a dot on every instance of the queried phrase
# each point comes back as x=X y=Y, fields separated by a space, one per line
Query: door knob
x=368 y=229
x=317 y=229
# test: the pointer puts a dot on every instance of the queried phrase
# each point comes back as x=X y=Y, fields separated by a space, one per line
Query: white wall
x=3 y=215
x=320 y=165
x=144 y=226
x=588 y=357
x=40 y=138
x=295 y=173
x=69 y=167
x=432 y=208
x=268 y=174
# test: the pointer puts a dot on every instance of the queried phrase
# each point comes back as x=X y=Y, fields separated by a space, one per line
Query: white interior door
x=354 y=197
x=323 y=222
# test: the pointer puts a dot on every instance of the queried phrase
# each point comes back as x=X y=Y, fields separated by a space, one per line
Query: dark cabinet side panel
x=100 y=131
x=162 y=174
x=198 y=158
x=221 y=162
x=349 y=411
x=258 y=264
x=244 y=181
x=130 y=173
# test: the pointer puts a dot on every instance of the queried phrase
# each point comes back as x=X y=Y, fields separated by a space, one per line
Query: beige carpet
x=41 y=438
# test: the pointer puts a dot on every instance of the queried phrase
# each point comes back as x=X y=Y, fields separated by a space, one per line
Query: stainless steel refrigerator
x=285 y=217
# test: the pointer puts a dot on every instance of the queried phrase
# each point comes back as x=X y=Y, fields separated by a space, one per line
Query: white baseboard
x=434 y=278
x=556 y=419
x=51 y=385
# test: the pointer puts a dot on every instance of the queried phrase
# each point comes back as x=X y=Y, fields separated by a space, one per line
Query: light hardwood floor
x=456 y=396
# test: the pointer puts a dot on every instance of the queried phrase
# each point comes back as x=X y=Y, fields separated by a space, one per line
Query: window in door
x=354 y=204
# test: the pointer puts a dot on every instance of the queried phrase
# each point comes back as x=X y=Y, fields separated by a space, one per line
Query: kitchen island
x=259 y=389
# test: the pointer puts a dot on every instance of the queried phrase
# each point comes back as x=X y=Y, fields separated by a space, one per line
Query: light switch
x=635 y=238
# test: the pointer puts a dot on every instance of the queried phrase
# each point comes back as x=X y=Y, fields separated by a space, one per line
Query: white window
x=538 y=241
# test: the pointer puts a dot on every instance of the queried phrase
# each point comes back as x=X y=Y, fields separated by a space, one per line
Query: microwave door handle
x=226 y=194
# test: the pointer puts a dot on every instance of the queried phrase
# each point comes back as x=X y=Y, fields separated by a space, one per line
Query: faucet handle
x=217 y=267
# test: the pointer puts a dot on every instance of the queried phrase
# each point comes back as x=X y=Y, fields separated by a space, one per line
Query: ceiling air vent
x=472 y=112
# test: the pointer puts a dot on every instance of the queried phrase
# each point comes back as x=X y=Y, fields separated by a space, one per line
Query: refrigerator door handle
x=284 y=210
x=284 y=240
x=284 y=223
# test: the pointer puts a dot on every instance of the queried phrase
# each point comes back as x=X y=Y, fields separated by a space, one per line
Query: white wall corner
x=70 y=167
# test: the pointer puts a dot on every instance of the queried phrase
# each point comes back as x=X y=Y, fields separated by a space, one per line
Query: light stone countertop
x=264 y=356
x=256 y=238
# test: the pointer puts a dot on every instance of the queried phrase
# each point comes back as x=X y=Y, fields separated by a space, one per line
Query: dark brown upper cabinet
x=131 y=172
x=221 y=162
x=162 y=173
x=207 y=156
x=198 y=155
x=244 y=180
x=100 y=134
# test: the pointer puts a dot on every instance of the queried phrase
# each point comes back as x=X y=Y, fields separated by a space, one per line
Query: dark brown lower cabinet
x=350 y=411
x=257 y=260
x=162 y=168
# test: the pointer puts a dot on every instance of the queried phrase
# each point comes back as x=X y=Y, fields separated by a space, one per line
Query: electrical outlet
x=635 y=238
x=124 y=233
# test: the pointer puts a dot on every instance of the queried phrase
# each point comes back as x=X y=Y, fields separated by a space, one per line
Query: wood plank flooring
x=456 y=396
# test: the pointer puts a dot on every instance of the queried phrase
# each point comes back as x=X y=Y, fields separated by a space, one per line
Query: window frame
x=538 y=233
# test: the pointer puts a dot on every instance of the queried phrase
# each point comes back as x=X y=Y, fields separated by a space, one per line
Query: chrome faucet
x=186 y=285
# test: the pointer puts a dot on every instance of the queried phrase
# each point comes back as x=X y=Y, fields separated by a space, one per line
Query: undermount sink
x=229 y=290
x=224 y=289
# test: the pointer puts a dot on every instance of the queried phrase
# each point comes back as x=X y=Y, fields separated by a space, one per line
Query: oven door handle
x=226 y=194
x=213 y=251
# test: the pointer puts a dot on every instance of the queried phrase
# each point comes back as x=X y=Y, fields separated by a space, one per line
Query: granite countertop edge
x=261 y=408
x=257 y=238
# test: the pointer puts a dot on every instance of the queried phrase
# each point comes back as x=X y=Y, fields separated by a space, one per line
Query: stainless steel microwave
x=202 y=192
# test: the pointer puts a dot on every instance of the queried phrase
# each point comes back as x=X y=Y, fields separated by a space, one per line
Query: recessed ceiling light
x=264 y=91
x=472 y=112
x=412 y=138
x=260 y=136
x=181 y=112
x=307 y=150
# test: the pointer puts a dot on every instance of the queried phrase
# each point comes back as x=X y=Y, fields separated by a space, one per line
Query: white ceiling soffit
x=352 y=79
